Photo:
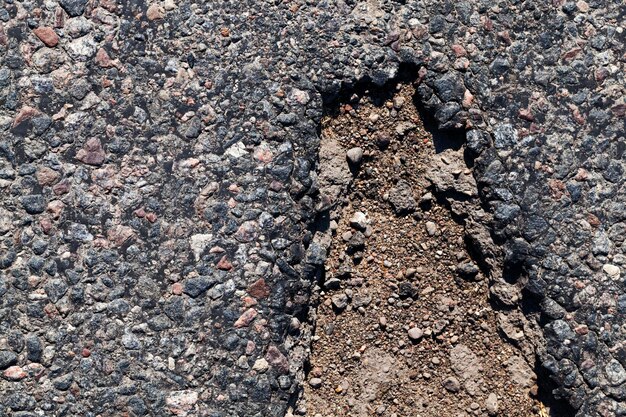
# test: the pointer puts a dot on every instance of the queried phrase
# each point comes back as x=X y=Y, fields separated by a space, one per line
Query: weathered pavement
x=158 y=186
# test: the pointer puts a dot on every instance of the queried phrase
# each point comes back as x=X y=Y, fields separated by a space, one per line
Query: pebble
x=431 y=228
x=7 y=358
x=91 y=153
x=355 y=156
x=359 y=221
x=415 y=334
x=14 y=373
x=452 y=384
x=401 y=198
x=47 y=36
x=613 y=271
x=315 y=382
x=260 y=365
x=340 y=301
x=491 y=404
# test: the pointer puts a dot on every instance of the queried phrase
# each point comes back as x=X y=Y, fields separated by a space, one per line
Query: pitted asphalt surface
x=159 y=186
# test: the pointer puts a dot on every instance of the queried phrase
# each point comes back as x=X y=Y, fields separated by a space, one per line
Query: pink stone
x=103 y=59
x=120 y=234
x=47 y=176
x=91 y=153
x=224 y=264
x=47 y=36
x=15 y=373
x=177 y=288
x=278 y=361
x=245 y=319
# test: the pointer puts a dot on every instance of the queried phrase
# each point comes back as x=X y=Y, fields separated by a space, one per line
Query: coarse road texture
x=161 y=194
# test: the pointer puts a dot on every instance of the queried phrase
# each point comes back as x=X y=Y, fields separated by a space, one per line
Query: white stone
x=612 y=271
x=199 y=243
x=260 y=365
x=181 y=402
x=359 y=220
x=237 y=150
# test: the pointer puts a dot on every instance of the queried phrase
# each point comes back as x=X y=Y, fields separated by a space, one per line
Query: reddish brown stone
x=120 y=234
x=245 y=319
x=259 y=289
x=557 y=188
x=25 y=113
x=62 y=187
x=224 y=264
x=47 y=176
x=103 y=59
x=91 y=153
x=249 y=301
x=601 y=74
x=619 y=110
x=571 y=54
x=47 y=35
x=593 y=220
x=526 y=114
x=277 y=360
x=151 y=217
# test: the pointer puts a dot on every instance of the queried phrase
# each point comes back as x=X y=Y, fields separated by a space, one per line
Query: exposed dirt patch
x=404 y=324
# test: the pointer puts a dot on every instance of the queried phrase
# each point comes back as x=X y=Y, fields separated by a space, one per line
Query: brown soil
x=363 y=355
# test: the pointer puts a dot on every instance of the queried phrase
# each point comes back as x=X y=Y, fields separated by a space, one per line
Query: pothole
x=405 y=323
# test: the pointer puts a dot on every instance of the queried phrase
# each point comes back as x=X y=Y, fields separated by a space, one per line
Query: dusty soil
x=399 y=331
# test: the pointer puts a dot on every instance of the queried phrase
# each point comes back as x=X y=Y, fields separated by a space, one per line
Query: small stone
x=355 y=156
x=401 y=198
x=615 y=373
x=91 y=153
x=181 y=402
x=431 y=228
x=415 y=334
x=194 y=287
x=467 y=270
x=491 y=404
x=398 y=102
x=155 y=12
x=131 y=342
x=315 y=382
x=47 y=176
x=14 y=373
x=33 y=204
x=260 y=365
x=7 y=358
x=612 y=271
x=47 y=36
x=358 y=220
x=452 y=384
x=73 y=7
x=224 y=264
x=246 y=318
x=259 y=289
x=63 y=383
x=34 y=348
x=340 y=301
x=277 y=360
